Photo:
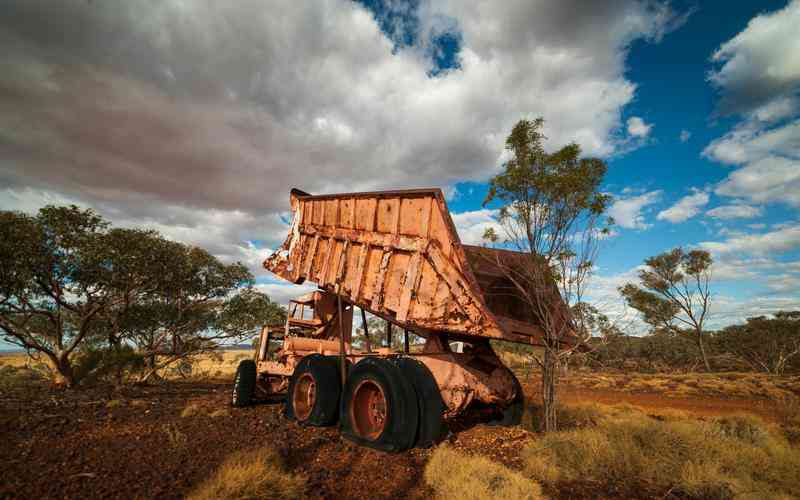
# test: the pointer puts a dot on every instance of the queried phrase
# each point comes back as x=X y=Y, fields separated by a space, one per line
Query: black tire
x=324 y=372
x=429 y=401
x=512 y=414
x=401 y=410
x=244 y=384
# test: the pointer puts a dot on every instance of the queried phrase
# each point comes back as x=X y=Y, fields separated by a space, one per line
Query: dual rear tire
x=388 y=404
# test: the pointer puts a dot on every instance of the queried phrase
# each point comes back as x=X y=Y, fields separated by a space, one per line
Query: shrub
x=94 y=364
x=720 y=458
x=12 y=377
x=258 y=473
x=191 y=410
x=455 y=475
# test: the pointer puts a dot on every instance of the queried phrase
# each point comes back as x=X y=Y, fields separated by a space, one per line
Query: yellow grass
x=16 y=359
x=220 y=365
x=737 y=456
x=730 y=384
x=452 y=474
x=253 y=474
x=191 y=410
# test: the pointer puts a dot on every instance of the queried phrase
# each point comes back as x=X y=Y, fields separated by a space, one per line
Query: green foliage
x=546 y=197
x=766 y=344
x=67 y=278
x=673 y=293
x=101 y=363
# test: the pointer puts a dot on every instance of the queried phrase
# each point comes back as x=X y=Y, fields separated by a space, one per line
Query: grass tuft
x=258 y=473
x=724 y=457
x=191 y=410
x=452 y=474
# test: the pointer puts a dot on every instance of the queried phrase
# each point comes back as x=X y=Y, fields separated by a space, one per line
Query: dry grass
x=258 y=473
x=16 y=359
x=13 y=376
x=728 y=457
x=732 y=384
x=191 y=410
x=455 y=475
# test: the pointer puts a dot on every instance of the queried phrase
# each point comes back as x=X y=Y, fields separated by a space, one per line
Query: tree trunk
x=549 y=375
x=702 y=348
x=64 y=376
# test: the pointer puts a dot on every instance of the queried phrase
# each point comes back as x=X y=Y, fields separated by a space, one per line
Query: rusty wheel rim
x=369 y=410
x=304 y=396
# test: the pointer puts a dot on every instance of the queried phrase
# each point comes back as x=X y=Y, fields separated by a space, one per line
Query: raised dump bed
x=394 y=254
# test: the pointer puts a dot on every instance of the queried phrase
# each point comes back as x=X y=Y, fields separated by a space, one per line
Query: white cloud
x=685 y=135
x=627 y=212
x=771 y=179
x=758 y=78
x=736 y=211
x=197 y=118
x=748 y=142
x=778 y=241
x=638 y=128
x=761 y=63
x=281 y=292
x=686 y=208
x=471 y=225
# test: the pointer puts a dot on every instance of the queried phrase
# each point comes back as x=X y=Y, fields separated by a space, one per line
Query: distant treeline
x=761 y=344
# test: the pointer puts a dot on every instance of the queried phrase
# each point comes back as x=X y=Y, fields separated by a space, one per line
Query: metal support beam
x=366 y=329
x=405 y=341
x=342 y=365
x=389 y=334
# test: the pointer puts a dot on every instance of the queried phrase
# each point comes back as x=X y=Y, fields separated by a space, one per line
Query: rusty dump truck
x=395 y=255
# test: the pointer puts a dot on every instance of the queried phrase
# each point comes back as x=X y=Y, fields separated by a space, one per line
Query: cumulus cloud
x=761 y=63
x=735 y=211
x=783 y=239
x=759 y=79
x=472 y=225
x=686 y=208
x=197 y=118
x=628 y=212
x=637 y=127
x=684 y=135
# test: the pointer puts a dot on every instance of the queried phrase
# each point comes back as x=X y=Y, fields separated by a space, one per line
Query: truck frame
x=395 y=255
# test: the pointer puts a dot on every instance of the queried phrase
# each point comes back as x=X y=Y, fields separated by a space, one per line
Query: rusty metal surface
x=397 y=255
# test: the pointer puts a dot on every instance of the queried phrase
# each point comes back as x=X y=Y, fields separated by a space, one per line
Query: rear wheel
x=314 y=390
x=429 y=400
x=379 y=406
x=244 y=383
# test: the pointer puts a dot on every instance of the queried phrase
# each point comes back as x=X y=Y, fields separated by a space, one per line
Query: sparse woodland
x=94 y=301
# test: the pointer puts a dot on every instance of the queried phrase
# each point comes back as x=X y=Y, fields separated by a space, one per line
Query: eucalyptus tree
x=674 y=294
x=551 y=210
x=66 y=278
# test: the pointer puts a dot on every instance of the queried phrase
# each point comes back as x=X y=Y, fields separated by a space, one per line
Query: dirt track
x=133 y=443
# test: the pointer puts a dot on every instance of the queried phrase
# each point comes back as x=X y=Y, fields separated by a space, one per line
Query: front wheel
x=244 y=384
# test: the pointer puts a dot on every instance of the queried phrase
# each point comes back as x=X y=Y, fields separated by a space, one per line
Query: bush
x=722 y=458
x=12 y=377
x=93 y=364
x=258 y=473
x=455 y=475
x=191 y=410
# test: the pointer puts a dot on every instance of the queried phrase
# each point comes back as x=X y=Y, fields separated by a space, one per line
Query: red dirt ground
x=133 y=443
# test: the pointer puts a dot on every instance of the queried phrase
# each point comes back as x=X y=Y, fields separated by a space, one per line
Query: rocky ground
x=163 y=440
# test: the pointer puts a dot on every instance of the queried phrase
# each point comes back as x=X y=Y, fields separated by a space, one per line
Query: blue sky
x=197 y=119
